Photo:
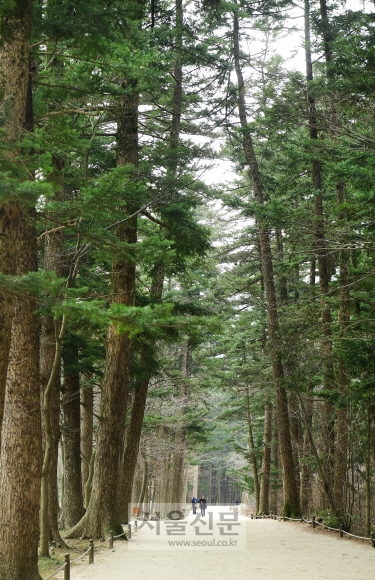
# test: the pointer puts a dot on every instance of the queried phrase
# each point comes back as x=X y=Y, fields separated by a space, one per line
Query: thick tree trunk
x=72 y=504
x=291 y=496
x=21 y=451
x=103 y=512
x=266 y=461
x=15 y=26
x=134 y=431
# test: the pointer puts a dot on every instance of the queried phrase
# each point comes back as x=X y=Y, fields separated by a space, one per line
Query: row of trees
x=300 y=273
x=129 y=344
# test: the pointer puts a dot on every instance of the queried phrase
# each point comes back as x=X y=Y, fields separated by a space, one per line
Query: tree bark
x=21 y=451
x=296 y=434
x=15 y=26
x=49 y=442
x=134 y=431
x=87 y=415
x=144 y=482
x=306 y=454
x=291 y=496
x=180 y=437
x=266 y=462
x=323 y=269
x=341 y=447
x=72 y=504
x=103 y=512
x=252 y=450
x=52 y=261
x=132 y=445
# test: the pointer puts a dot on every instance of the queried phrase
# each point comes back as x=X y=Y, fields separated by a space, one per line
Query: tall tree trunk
x=341 y=447
x=15 y=26
x=21 y=451
x=52 y=261
x=180 y=437
x=368 y=465
x=103 y=512
x=87 y=415
x=291 y=496
x=72 y=505
x=323 y=269
x=134 y=431
x=266 y=462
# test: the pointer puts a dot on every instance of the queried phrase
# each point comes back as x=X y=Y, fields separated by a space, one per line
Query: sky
x=290 y=46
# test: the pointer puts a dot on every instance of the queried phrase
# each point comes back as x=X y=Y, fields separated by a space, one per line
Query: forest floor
x=265 y=550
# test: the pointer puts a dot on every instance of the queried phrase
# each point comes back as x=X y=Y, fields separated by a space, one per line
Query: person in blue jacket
x=194 y=502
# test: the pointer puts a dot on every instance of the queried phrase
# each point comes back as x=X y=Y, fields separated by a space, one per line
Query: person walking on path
x=203 y=504
x=194 y=502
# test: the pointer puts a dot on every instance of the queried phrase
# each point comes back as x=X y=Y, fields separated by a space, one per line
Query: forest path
x=274 y=551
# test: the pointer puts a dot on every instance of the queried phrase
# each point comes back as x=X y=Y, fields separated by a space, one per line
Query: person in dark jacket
x=194 y=502
x=203 y=504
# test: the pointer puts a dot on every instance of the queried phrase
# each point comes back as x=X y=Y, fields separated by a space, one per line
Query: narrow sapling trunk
x=44 y=519
x=306 y=490
x=254 y=463
x=274 y=492
x=368 y=465
x=144 y=482
x=296 y=434
x=90 y=477
x=87 y=410
x=133 y=438
x=266 y=461
x=291 y=496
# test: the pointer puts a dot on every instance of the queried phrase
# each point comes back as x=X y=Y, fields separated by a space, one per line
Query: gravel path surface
x=274 y=551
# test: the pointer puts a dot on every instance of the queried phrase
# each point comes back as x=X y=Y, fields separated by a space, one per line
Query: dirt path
x=274 y=551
